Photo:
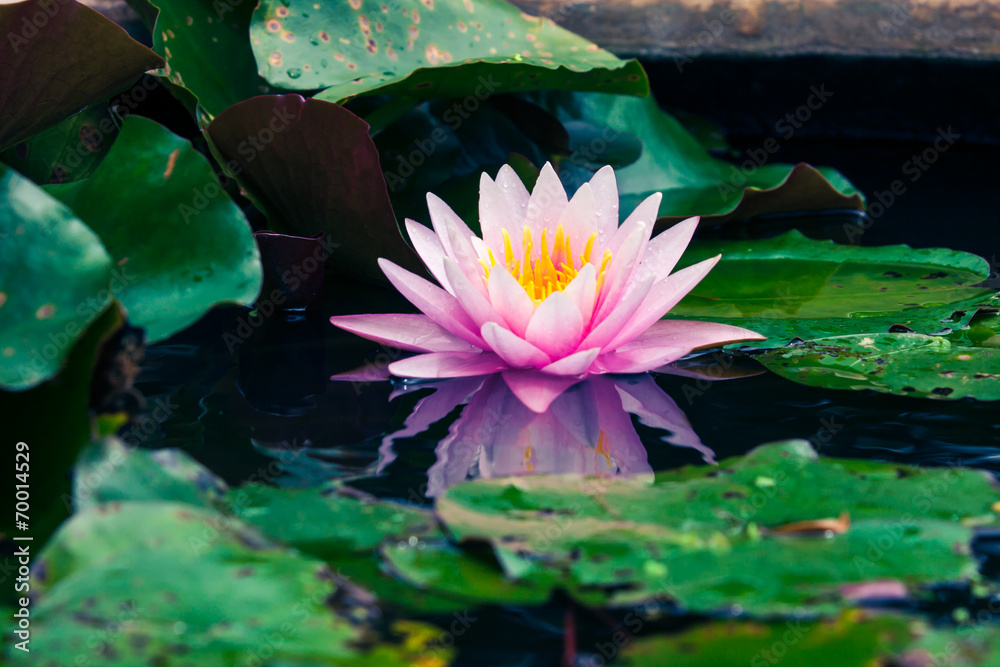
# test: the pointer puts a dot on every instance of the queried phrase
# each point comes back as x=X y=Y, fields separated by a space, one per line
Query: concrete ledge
x=682 y=29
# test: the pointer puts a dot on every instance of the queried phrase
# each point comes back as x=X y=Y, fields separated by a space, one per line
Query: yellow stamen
x=552 y=269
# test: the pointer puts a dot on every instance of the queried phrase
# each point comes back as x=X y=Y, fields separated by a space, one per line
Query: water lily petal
x=691 y=334
x=496 y=214
x=513 y=189
x=664 y=295
x=605 y=189
x=579 y=218
x=641 y=396
x=448 y=226
x=639 y=360
x=430 y=250
x=546 y=204
x=429 y=410
x=416 y=333
x=623 y=261
x=475 y=304
x=602 y=334
x=510 y=300
x=577 y=363
x=583 y=291
x=513 y=349
x=435 y=365
x=665 y=249
x=536 y=389
x=441 y=307
x=556 y=326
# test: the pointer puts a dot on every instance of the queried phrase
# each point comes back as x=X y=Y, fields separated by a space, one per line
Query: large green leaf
x=55 y=279
x=415 y=47
x=309 y=178
x=904 y=364
x=181 y=244
x=726 y=537
x=55 y=59
x=692 y=181
x=176 y=580
x=207 y=51
x=791 y=286
x=849 y=640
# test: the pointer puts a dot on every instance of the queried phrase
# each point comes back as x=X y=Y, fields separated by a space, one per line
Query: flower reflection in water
x=587 y=429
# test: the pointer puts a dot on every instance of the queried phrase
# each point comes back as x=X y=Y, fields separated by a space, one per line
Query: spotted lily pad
x=732 y=537
x=177 y=580
x=904 y=364
x=415 y=47
x=55 y=59
x=309 y=177
x=180 y=245
x=207 y=52
x=692 y=181
x=54 y=281
x=791 y=286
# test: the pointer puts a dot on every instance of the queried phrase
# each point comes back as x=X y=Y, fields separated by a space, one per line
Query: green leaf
x=54 y=281
x=207 y=52
x=716 y=538
x=309 y=179
x=903 y=364
x=850 y=640
x=109 y=471
x=791 y=286
x=67 y=151
x=692 y=181
x=180 y=243
x=173 y=580
x=413 y=48
x=58 y=58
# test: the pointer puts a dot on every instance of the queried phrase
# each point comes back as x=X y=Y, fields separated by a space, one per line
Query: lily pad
x=309 y=178
x=57 y=58
x=904 y=364
x=776 y=531
x=54 y=281
x=108 y=471
x=849 y=640
x=692 y=181
x=207 y=52
x=67 y=151
x=791 y=286
x=180 y=244
x=172 y=579
x=415 y=48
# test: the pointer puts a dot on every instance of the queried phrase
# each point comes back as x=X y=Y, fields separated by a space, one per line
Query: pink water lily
x=554 y=290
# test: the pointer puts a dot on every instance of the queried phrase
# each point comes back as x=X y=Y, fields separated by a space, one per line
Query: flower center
x=548 y=270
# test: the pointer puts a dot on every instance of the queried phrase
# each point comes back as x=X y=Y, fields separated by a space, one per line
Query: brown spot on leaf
x=275 y=59
x=324 y=36
x=171 y=163
x=45 y=312
x=836 y=526
x=274 y=25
